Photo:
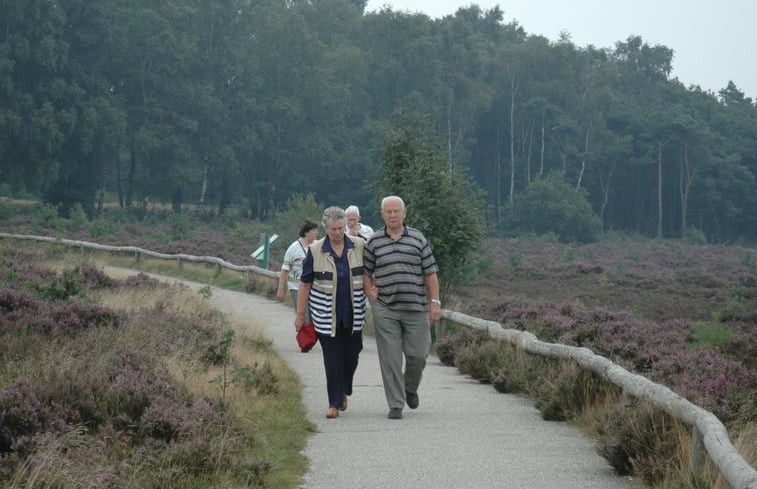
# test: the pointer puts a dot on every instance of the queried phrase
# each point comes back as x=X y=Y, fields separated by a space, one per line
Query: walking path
x=463 y=435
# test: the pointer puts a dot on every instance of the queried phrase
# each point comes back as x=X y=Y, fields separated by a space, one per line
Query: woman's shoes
x=334 y=412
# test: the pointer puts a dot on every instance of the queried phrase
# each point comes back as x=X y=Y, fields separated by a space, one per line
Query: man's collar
x=403 y=233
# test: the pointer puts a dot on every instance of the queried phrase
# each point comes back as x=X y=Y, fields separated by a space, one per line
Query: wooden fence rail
x=709 y=435
x=179 y=258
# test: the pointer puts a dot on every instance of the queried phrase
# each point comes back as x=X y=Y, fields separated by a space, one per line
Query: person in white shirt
x=291 y=268
x=354 y=226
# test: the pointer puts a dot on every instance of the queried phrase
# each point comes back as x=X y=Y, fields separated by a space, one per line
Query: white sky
x=713 y=41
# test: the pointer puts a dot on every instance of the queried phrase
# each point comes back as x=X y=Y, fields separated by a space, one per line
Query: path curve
x=463 y=435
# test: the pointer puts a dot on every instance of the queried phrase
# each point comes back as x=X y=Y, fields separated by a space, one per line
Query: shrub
x=695 y=236
x=140 y=280
x=166 y=419
x=92 y=277
x=749 y=259
x=513 y=374
x=643 y=441
x=552 y=205
x=60 y=289
x=65 y=459
x=711 y=335
x=6 y=209
x=481 y=361
x=447 y=346
x=111 y=221
x=21 y=416
x=415 y=165
x=133 y=383
x=46 y=217
x=265 y=382
x=568 y=255
x=78 y=217
x=299 y=207
x=500 y=380
x=564 y=391
x=103 y=227
x=179 y=224
x=21 y=310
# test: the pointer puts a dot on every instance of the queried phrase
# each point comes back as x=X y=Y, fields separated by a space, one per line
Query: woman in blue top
x=331 y=289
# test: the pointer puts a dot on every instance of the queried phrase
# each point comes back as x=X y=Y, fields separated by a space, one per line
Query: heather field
x=683 y=315
x=134 y=383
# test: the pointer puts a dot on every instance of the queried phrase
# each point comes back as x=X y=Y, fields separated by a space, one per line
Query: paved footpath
x=463 y=435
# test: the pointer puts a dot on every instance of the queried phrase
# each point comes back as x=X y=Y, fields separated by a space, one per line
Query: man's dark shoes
x=395 y=413
x=412 y=399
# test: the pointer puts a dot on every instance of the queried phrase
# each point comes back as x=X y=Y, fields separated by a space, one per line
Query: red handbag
x=306 y=337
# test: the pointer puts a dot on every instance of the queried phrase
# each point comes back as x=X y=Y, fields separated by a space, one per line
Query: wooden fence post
x=627 y=401
x=698 y=451
x=181 y=263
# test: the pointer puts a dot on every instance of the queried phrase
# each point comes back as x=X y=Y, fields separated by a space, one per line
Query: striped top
x=330 y=288
x=399 y=268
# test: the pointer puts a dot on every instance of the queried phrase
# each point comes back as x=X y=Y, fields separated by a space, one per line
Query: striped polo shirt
x=399 y=268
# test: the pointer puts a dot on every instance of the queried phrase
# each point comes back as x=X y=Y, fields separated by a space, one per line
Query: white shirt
x=293 y=259
x=365 y=231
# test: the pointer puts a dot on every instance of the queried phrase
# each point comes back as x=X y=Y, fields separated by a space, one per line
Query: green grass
x=712 y=334
x=195 y=272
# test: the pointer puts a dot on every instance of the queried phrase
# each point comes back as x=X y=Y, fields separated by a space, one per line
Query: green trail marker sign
x=262 y=251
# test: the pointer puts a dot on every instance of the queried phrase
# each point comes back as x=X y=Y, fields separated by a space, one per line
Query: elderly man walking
x=354 y=226
x=402 y=284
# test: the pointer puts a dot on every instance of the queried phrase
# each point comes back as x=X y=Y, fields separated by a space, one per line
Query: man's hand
x=434 y=312
x=369 y=286
x=372 y=293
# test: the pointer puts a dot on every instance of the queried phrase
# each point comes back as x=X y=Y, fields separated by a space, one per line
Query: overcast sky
x=713 y=41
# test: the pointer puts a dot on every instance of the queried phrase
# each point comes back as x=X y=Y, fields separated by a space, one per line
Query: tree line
x=245 y=103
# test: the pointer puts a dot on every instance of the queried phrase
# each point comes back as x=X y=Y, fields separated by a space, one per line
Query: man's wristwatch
x=437 y=301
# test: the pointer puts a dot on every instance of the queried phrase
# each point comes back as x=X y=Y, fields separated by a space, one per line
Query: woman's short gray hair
x=331 y=214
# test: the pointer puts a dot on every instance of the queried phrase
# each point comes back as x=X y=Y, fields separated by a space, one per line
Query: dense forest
x=243 y=103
